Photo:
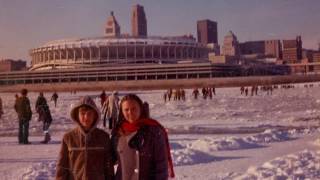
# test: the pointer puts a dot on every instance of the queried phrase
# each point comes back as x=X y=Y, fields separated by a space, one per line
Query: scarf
x=128 y=127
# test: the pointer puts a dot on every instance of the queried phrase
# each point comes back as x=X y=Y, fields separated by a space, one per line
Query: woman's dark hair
x=143 y=113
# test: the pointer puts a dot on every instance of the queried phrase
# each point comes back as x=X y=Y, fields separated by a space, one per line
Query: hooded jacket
x=85 y=155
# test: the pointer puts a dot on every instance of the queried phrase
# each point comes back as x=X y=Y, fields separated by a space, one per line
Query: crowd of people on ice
x=208 y=92
x=133 y=147
x=268 y=89
x=180 y=94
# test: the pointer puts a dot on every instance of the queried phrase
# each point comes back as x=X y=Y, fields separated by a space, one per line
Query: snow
x=303 y=165
x=229 y=137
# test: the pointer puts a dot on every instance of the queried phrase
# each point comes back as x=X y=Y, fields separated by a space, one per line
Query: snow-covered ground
x=231 y=136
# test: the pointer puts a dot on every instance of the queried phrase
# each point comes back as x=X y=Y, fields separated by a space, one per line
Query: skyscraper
x=138 y=21
x=231 y=45
x=292 y=50
x=273 y=48
x=112 y=26
x=207 y=31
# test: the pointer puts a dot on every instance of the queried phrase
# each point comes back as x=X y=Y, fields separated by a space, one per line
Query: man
x=110 y=110
x=54 y=98
x=1 y=109
x=22 y=107
x=103 y=97
x=86 y=151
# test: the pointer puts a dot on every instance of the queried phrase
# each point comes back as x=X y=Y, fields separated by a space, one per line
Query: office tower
x=292 y=50
x=207 y=31
x=112 y=26
x=138 y=21
x=231 y=45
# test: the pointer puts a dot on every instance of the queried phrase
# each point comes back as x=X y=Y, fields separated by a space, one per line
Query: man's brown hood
x=87 y=101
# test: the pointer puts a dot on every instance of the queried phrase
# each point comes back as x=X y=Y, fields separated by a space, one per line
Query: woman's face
x=131 y=110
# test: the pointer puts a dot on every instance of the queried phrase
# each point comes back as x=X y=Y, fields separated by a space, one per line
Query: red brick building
x=273 y=48
x=292 y=50
x=138 y=21
x=7 y=65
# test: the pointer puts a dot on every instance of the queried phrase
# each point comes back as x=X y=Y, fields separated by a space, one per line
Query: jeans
x=46 y=126
x=23 y=131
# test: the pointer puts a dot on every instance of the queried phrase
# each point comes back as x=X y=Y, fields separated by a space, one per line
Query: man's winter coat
x=22 y=107
x=85 y=155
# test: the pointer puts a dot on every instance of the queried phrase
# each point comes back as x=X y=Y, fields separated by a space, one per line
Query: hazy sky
x=26 y=24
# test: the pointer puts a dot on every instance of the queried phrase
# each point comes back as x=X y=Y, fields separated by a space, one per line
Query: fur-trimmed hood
x=87 y=101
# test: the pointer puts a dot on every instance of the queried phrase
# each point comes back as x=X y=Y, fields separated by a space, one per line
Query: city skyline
x=26 y=25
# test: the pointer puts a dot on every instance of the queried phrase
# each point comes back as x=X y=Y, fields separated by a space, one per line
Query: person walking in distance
x=195 y=93
x=22 y=107
x=110 y=109
x=43 y=110
x=54 y=98
x=1 y=108
x=103 y=97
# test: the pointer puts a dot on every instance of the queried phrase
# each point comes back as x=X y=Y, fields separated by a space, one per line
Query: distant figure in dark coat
x=1 y=108
x=43 y=110
x=214 y=90
x=195 y=93
x=54 y=98
x=23 y=109
x=165 y=97
x=246 y=91
x=103 y=98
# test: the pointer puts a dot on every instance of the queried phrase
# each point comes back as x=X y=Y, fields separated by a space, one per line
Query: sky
x=27 y=24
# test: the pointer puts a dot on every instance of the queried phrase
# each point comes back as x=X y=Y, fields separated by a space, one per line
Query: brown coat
x=22 y=107
x=85 y=155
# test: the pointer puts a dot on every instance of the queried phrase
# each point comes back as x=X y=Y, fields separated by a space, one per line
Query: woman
x=141 y=144
x=44 y=115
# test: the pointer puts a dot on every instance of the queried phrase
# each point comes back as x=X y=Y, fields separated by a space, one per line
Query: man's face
x=87 y=116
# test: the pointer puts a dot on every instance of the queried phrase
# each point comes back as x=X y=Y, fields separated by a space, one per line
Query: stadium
x=106 y=51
